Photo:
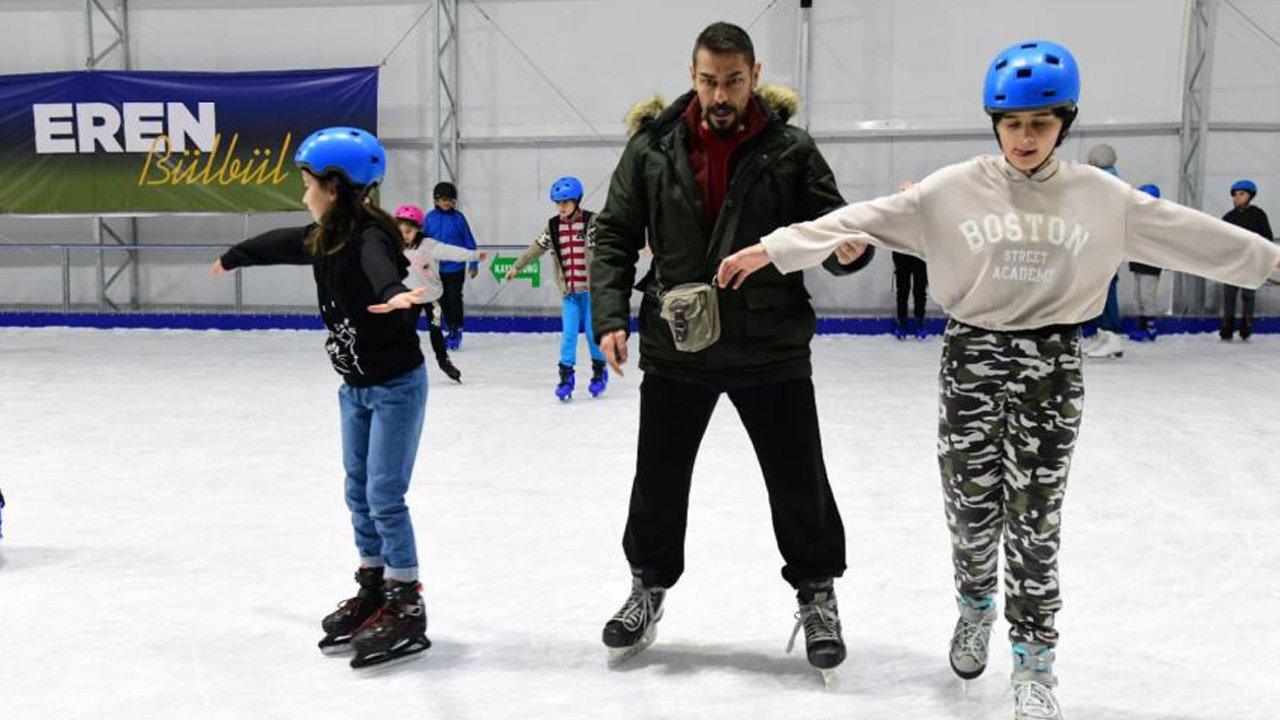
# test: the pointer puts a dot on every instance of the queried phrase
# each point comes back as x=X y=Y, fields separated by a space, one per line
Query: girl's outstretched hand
x=217 y=270
x=403 y=301
x=735 y=268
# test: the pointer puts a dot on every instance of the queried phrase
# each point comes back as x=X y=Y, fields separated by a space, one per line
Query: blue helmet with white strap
x=353 y=154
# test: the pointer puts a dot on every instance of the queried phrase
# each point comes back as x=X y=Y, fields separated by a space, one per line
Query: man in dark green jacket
x=710 y=174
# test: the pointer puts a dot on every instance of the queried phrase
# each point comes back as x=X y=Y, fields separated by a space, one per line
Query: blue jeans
x=575 y=317
x=1110 y=317
x=380 y=430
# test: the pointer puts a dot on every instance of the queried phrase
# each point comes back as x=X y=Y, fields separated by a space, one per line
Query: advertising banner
x=143 y=142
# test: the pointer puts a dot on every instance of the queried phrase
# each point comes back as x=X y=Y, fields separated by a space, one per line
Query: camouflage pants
x=1010 y=406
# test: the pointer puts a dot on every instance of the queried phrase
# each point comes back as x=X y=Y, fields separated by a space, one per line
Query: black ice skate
x=342 y=623
x=398 y=630
x=820 y=618
x=635 y=626
x=451 y=370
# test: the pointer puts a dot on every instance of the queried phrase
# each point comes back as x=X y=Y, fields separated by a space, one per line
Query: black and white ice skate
x=819 y=616
x=397 y=631
x=635 y=626
x=342 y=623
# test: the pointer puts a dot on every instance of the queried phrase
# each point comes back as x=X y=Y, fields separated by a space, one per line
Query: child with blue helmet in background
x=1250 y=217
x=354 y=250
x=1022 y=247
x=1146 y=283
x=571 y=235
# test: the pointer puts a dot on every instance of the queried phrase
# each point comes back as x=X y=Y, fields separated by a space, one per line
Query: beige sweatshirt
x=1011 y=252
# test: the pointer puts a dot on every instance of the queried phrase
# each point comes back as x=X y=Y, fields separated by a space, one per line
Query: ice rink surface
x=176 y=530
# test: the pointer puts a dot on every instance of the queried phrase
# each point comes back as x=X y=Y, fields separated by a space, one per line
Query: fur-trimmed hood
x=778 y=101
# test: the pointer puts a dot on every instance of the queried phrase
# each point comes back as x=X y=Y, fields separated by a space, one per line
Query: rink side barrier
x=504 y=323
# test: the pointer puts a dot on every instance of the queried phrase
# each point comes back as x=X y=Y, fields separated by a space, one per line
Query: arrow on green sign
x=532 y=272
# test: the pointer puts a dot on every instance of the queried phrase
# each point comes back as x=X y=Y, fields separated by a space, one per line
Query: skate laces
x=1034 y=699
x=820 y=620
x=639 y=607
x=972 y=637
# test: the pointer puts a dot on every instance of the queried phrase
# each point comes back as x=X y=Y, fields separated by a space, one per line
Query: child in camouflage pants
x=1010 y=405
x=1022 y=248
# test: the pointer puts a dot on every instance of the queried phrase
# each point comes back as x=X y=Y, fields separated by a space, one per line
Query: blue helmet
x=354 y=154
x=1152 y=190
x=566 y=188
x=1029 y=76
x=1246 y=185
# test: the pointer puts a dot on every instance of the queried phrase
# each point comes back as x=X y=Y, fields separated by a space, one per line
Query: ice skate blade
x=830 y=678
x=336 y=648
x=391 y=657
x=617 y=656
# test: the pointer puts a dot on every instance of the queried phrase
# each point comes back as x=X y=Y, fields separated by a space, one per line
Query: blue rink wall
x=500 y=323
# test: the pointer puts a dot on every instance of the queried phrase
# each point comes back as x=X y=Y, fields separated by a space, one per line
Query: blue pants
x=380 y=430
x=1110 y=317
x=575 y=317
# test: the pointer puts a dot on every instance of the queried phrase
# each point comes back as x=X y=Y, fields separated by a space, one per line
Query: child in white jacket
x=424 y=255
x=1021 y=248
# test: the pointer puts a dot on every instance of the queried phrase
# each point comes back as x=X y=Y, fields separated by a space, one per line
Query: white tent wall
x=910 y=66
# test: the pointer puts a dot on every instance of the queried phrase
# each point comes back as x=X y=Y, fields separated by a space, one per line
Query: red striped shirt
x=573 y=254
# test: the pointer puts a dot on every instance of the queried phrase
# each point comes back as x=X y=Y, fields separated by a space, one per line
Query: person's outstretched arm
x=894 y=222
x=284 y=246
x=1169 y=235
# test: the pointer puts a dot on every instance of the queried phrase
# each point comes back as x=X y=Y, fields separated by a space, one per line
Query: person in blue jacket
x=448 y=225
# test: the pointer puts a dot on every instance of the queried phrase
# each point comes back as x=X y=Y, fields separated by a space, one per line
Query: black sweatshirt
x=1250 y=218
x=366 y=349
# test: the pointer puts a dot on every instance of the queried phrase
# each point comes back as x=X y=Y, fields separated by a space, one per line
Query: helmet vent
x=1027 y=46
x=1049 y=93
x=1052 y=59
x=1001 y=97
x=1024 y=72
x=1000 y=65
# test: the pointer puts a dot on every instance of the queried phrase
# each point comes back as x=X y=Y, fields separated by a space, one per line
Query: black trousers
x=451 y=301
x=910 y=276
x=782 y=422
x=428 y=310
x=1229 y=293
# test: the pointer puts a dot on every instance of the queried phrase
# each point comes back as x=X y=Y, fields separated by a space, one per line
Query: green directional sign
x=532 y=272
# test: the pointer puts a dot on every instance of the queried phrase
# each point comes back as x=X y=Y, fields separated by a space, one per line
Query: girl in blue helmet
x=571 y=234
x=1252 y=218
x=354 y=251
x=1021 y=247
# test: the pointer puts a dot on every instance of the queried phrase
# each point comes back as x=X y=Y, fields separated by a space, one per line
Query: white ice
x=175 y=532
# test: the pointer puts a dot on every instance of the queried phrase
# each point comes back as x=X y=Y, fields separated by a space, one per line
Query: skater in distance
x=571 y=235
